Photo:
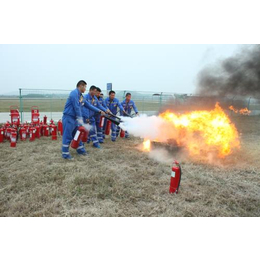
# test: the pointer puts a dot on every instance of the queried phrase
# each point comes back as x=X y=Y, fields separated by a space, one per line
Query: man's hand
x=102 y=113
x=87 y=121
x=137 y=114
x=108 y=111
x=80 y=121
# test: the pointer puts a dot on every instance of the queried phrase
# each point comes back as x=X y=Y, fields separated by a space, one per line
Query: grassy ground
x=57 y=105
x=120 y=180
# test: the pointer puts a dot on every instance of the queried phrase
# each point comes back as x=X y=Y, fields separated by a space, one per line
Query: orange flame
x=243 y=111
x=202 y=131
x=233 y=109
x=147 y=145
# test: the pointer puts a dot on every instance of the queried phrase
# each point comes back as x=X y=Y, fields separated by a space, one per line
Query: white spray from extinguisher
x=87 y=126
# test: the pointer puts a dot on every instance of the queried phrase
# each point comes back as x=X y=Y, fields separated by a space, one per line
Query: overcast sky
x=169 y=68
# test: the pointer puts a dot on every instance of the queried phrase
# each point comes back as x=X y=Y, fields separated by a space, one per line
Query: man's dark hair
x=98 y=90
x=81 y=83
x=112 y=92
x=128 y=94
x=92 y=88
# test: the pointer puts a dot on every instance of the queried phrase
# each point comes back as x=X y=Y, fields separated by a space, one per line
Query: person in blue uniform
x=128 y=104
x=90 y=116
x=113 y=104
x=72 y=118
x=98 y=116
x=102 y=128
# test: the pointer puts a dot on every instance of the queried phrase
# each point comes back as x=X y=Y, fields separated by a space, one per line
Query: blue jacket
x=73 y=104
x=113 y=104
x=102 y=102
x=129 y=106
x=93 y=102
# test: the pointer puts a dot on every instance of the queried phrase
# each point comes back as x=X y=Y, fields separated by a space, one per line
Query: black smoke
x=234 y=76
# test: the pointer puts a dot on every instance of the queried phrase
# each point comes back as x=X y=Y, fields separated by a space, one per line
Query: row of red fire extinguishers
x=12 y=131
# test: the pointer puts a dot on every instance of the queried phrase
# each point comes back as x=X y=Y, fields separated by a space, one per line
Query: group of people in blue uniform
x=87 y=109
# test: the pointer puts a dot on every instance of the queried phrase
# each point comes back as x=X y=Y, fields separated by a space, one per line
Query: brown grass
x=120 y=180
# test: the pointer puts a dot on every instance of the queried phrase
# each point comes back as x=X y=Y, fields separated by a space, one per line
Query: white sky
x=164 y=68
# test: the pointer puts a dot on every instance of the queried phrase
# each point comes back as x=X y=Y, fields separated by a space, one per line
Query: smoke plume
x=238 y=75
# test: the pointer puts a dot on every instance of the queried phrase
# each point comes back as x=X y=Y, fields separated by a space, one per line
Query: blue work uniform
x=112 y=105
x=100 y=131
x=127 y=106
x=71 y=113
x=91 y=116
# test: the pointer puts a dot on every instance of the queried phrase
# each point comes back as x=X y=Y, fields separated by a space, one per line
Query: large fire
x=201 y=132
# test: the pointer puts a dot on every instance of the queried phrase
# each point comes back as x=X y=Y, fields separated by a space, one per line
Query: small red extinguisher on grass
x=175 y=178
x=60 y=128
x=53 y=132
x=13 y=139
x=122 y=133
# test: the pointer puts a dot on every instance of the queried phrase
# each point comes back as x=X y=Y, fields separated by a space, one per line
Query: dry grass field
x=121 y=180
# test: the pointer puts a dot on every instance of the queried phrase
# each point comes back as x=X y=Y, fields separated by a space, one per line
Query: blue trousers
x=93 y=132
x=99 y=129
x=70 y=127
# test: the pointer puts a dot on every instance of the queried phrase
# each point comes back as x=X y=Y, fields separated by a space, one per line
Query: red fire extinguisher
x=122 y=133
x=32 y=133
x=45 y=120
x=108 y=127
x=60 y=128
x=35 y=115
x=27 y=127
x=85 y=136
x=101 y=123
x=46 y=130
x=78 y=136
x=53 y=132
x=15 y=116
x=23 y=133
x=8 y=133
x=175 y=178
x=37 y=133
x=13 y=138
x=41 y=128
x=2 y=134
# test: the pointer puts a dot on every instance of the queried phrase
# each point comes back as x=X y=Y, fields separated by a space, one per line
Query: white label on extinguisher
x=102 y=122
x=173 y=174
x=13 y=140
x=77 y=135
x=24 y=135
x=2 y=132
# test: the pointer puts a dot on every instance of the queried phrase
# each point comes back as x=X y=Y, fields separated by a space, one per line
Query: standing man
x=112 y=104
x=72 y=118
x=127 y=105
x=91 y=116
x=98 y=116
